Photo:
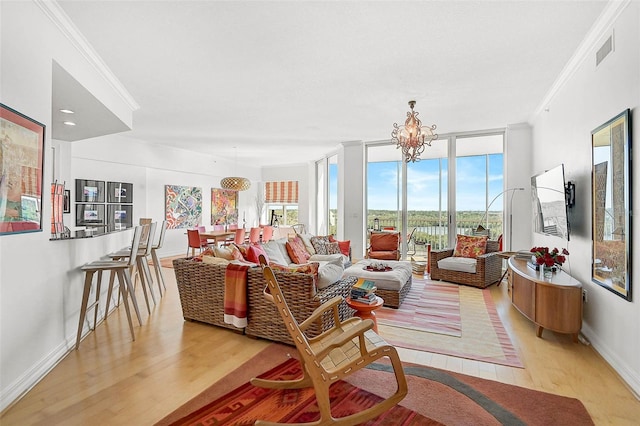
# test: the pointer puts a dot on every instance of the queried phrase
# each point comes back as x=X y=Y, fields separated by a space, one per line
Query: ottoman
x=392 y=285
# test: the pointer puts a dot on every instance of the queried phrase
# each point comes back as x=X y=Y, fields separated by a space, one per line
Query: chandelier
x=413 y=136
x=235 y=183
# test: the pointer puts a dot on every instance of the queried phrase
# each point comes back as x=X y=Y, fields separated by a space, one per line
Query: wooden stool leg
x=148 y=278
x=144 y=290
x=123 y=289
x=88 y=277
x=96 y=303
x=110 y=292
x=158 y=268
x=131 y=294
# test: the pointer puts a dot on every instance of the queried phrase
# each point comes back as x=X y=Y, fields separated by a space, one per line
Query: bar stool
x=141 y=262
x=121 y=269
x=154 y=257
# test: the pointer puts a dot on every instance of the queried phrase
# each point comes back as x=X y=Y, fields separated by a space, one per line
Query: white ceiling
x=287 y=82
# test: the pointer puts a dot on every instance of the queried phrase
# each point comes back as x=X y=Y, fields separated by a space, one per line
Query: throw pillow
x=296 y=251
x=333 y=248
x=244 y=249
x=254 y=251
x=344 y=245
x=329 y=273
x=235 y=252
x=224 y=252
x=306 y=239
x=274 y=253
x=214 y=260
x=319 y=244
x=470 y=246
x=307 y=268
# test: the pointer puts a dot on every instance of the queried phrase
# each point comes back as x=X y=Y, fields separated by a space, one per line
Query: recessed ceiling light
x=67 y=111
x=69 y=123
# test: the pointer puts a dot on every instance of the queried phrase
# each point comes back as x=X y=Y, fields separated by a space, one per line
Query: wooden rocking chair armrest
x=349 y=334
x=317 y=313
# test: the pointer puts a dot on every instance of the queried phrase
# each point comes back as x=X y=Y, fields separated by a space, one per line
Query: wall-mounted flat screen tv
x=549 y=197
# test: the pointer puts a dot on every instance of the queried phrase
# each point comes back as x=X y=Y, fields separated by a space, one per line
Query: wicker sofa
x=201 y=289
x=488 y=268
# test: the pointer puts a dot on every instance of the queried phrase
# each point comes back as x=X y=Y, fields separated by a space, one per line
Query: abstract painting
x=183 y=206
x=224 y=207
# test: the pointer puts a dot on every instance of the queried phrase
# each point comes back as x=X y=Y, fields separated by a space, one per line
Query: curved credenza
x=553 y=303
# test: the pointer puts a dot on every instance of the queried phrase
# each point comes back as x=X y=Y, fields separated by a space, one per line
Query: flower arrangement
x=547 y=258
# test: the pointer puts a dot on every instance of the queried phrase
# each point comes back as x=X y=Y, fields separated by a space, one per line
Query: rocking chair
x=336 y=353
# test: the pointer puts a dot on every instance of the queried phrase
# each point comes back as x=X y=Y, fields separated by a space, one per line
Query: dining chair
x=218 y=227
x=194 y=241
x=239 y=236
x=254 y=235
x=267 y=233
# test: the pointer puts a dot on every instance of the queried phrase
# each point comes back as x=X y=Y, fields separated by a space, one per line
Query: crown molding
x=603 y=24
x=54 y=12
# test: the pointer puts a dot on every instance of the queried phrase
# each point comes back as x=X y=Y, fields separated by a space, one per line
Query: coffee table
x=365 y=310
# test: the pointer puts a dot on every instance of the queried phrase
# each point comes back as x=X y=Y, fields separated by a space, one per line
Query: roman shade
x=285 y=192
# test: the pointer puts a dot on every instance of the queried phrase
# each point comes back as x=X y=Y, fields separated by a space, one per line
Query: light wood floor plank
x=112 y=380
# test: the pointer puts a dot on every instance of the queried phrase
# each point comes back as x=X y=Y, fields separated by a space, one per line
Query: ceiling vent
x=605 y=49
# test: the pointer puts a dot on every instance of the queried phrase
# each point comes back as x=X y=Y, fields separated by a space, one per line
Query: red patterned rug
x=482 y=335
x=435 y=397
x=430 y=306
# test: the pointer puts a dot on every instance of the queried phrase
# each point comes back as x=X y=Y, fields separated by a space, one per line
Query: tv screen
x=549 y=199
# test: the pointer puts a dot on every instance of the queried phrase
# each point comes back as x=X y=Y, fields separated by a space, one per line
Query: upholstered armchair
x=384 y=246
x=487 y=267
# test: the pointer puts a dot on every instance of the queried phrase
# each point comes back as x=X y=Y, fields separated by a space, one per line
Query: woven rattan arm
x=317 y=313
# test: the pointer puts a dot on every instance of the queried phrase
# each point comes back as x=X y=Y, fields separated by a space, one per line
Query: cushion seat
x=460 y=264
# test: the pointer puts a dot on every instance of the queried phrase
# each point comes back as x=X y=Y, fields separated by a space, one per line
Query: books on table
x=363 y=291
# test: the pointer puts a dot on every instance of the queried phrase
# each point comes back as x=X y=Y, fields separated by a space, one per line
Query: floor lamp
x=481 y=230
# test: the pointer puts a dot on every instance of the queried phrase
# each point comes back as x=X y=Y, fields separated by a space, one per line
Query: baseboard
x=627 y=375
x=32 y=376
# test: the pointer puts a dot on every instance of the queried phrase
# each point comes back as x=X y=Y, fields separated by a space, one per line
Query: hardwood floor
x=111 y=380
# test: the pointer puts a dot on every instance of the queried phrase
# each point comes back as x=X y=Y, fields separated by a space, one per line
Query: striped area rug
x=482 y=336
x=430 y=306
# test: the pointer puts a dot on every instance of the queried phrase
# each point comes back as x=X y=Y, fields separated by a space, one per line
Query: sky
x=427 y=184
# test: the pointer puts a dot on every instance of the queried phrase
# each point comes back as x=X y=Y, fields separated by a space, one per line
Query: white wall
x=588 y=98
x=40 y=280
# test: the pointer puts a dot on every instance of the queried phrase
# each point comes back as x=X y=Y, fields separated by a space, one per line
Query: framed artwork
x=119 y=216
x=183 y=206
x=89 y=191
x=57 y=202
x=224 y=207
x=21 y=159
x=611 y=208
x=66 y=201
x=119 y=192
x=89 y=214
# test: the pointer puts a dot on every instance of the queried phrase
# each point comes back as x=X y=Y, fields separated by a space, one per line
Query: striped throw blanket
x=235 y=295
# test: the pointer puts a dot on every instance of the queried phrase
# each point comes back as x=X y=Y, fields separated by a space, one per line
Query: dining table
x=218 y=236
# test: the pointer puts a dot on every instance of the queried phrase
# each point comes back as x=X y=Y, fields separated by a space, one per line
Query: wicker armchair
x=488 y=268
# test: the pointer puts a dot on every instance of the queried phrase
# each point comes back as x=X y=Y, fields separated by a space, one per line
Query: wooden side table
x=365 y=310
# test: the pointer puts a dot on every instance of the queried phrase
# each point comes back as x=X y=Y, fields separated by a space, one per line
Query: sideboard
x=553 y=303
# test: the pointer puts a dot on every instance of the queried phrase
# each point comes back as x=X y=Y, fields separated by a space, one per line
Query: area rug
x=435 y=397
x=482 y=338
x=430 y=306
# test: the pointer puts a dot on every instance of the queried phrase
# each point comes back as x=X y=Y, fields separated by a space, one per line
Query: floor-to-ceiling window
x=332 y=163
x=418 y=199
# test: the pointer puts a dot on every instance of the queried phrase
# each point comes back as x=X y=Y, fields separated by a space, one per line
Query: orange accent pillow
x=253 y=253
x=306 y=268
x=470 y=246
x=343 y=245
x=384 y=241
x=297 y=251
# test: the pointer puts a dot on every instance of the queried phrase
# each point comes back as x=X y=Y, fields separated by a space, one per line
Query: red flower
x=549 y=258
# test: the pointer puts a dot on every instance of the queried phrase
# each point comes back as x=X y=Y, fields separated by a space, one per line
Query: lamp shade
x=235 y=183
